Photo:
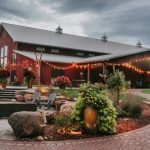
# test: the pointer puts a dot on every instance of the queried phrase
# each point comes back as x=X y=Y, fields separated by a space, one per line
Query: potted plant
x=29 y=77
x=4 y=75
x=62 y=82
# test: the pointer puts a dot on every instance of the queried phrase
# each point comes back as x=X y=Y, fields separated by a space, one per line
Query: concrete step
x=7 y=96
x=9 y=93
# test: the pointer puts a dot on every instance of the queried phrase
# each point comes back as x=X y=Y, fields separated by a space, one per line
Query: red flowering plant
x=62 y=81
x=4 y=74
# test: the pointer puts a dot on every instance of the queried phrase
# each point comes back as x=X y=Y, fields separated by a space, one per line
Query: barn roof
x=62 y=40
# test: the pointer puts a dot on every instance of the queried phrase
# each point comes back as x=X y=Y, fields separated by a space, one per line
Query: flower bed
x=54 y=133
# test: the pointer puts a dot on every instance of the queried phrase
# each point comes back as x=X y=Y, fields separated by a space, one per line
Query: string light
x=26 y=63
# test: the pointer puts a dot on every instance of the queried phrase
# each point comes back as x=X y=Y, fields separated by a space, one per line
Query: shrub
x=117 y=83
x=62 y=81
x=92 y=95
x=63 y=119
x=122 y=113
x=4 y=74
x=132 y=105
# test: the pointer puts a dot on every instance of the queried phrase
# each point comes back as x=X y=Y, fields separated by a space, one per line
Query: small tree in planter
x=62 y=82
x=29 y=77
x=4 y=75
x=118 y=84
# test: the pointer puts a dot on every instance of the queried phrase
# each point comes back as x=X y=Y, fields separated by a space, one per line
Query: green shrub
x=63 y=119
x=135 y=111
x=122 y=113
x=92 y=95
x=118 y=84
x=132 y=105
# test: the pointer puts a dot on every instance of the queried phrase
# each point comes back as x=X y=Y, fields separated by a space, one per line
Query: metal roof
x=50 y=57
x=111 y=56
x=74 y=42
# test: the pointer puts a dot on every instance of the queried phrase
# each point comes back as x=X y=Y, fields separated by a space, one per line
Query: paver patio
x=135 y=140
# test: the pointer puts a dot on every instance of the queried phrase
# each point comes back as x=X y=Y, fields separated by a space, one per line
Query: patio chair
x=49 y=103
x=36 y=98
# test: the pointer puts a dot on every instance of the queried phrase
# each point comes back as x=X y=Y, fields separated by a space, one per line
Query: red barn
x=65 y=54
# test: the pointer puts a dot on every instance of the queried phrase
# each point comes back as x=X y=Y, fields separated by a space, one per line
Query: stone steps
x=8 y=94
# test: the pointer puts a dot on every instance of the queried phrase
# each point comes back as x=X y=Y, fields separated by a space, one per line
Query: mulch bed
x=123 y=125
x=128 y=124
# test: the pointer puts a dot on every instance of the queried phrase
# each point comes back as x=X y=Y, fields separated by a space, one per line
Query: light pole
x=38 y=62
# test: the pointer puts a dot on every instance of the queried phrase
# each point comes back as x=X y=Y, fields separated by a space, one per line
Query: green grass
x=68 y=92
x=146 y=91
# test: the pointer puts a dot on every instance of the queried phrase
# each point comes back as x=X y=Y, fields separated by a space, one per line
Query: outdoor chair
x=36 y=98
x=49 y=103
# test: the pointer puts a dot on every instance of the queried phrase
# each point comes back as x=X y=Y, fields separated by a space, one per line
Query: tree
x=117 y=83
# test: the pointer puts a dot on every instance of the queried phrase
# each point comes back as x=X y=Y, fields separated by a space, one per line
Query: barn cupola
x=104 y=38
x=59 y=30
x=139 y=44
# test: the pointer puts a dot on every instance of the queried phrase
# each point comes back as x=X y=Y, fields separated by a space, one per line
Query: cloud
x=124 y=21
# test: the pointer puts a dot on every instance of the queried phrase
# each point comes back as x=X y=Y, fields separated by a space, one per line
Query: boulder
x=26 y=124
x=50 y=117
x=40 y=138
x=58 y=104
x=67 y=107
x=28 y=97
x=19 y=98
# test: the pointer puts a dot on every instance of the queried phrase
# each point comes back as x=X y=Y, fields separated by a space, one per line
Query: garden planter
x=3 y=85
x=30 y=83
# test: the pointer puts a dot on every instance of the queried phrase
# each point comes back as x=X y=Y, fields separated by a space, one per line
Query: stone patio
x=6 y=132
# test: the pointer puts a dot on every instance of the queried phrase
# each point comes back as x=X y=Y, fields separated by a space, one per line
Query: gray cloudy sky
x=124 y=21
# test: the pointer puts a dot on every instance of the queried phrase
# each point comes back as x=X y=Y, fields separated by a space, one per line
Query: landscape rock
x=67 y=107
x=13 y=100
x=26 y=124
x=50 y=117
x=59 y=103
x=19 y=98
x=40 y=138
x=28 y=97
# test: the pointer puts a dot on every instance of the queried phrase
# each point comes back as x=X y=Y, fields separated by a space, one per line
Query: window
x=14 y=58
x=3 y=56
x=80 y=53
x=55 y=51
x=40 y=49
x=91 y=55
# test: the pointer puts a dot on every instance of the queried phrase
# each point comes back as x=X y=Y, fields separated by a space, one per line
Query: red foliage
x=62 y=80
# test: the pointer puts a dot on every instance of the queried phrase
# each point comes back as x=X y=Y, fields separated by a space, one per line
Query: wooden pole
x=39 y=66
x=104 y=68
x=88 y=73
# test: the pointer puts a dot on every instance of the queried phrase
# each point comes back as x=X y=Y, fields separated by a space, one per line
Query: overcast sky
x=124 y=21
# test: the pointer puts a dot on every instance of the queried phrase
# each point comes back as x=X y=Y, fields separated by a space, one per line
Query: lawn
x=146 y=91
x=67 y=92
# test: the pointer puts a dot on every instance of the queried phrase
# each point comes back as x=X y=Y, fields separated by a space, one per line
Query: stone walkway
x=135 y=140
x=139 y=93
x=6 y=132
